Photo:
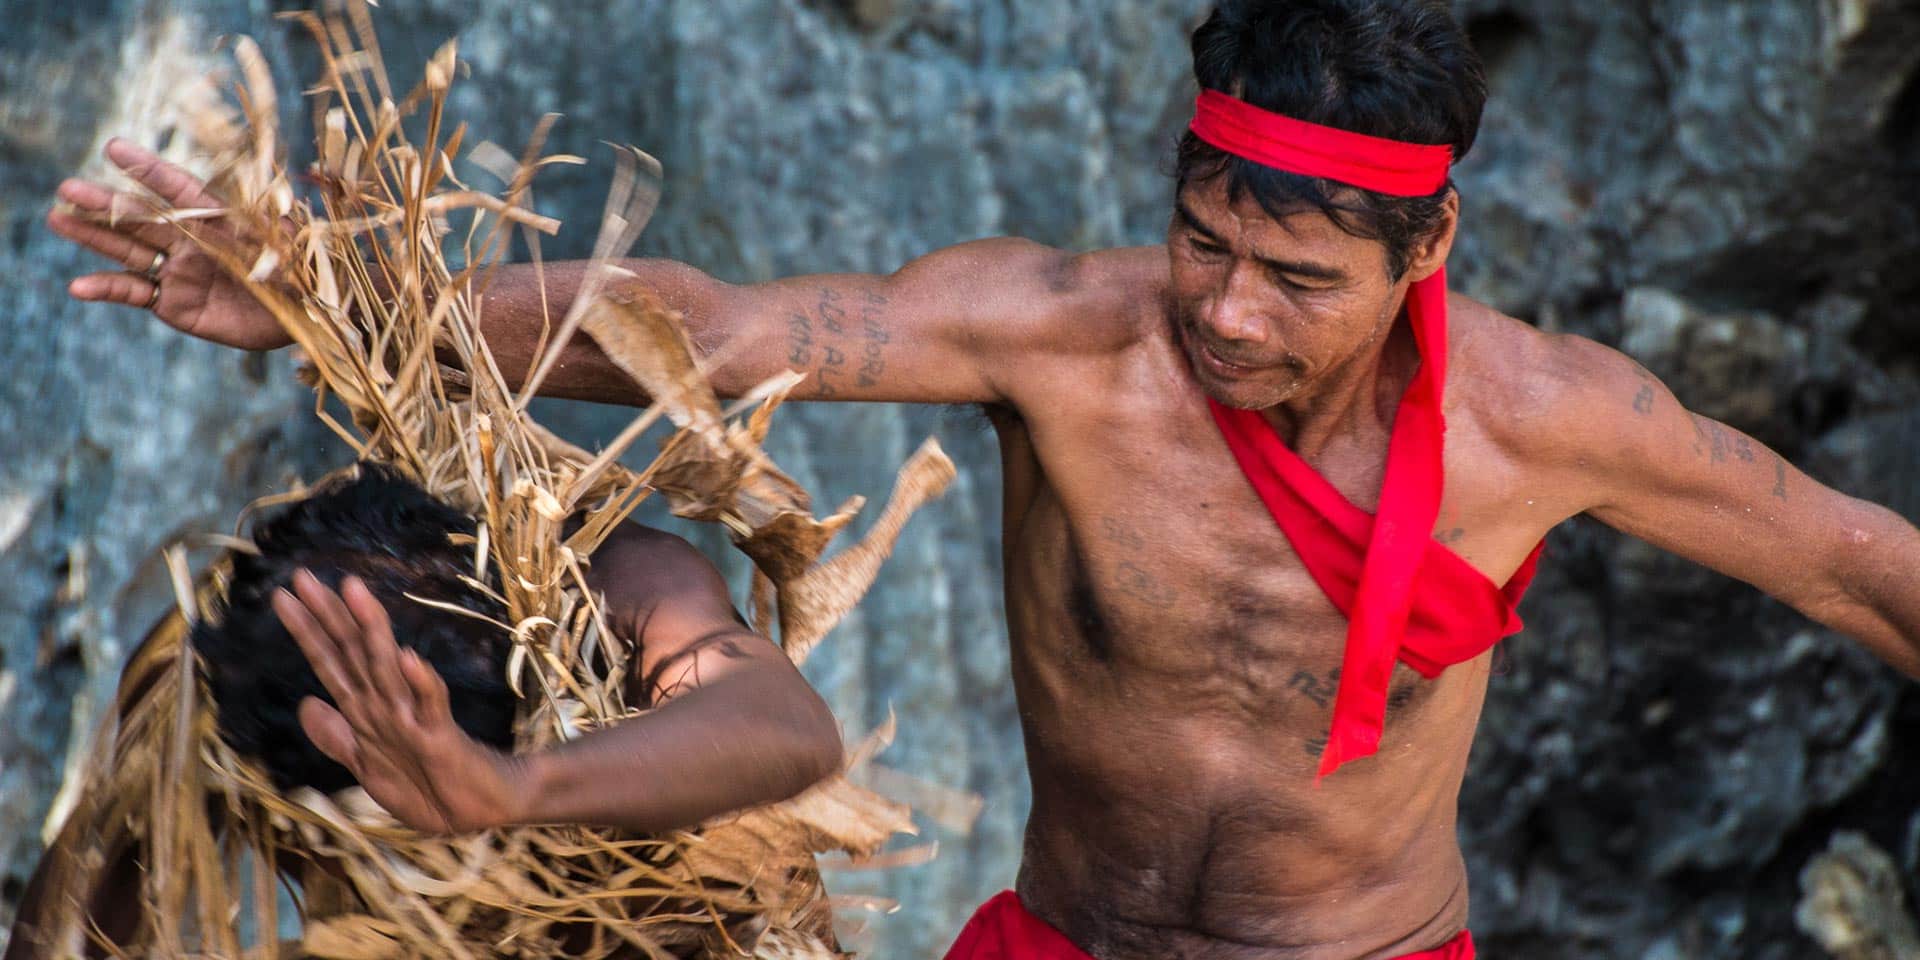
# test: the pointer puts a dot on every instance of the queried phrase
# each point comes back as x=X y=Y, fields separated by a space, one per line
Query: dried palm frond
x=362 y=283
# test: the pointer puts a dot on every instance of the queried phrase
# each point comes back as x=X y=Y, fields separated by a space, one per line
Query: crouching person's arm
x=733 y=723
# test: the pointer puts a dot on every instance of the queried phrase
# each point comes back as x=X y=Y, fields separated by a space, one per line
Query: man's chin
x=1241 y=395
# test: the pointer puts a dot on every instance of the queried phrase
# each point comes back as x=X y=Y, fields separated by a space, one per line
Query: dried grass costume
x=390 y=329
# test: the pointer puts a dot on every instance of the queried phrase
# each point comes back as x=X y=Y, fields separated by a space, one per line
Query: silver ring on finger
x=153 y=269
x=154 y=300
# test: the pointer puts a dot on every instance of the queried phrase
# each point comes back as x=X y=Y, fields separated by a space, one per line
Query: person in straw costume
x=642 y=709
x=1272 y=492
x=335 y=658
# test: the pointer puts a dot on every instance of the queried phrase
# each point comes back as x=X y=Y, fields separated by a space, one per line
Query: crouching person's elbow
x=817 y=751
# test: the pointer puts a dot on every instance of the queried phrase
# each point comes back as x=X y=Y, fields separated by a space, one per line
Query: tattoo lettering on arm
x=1643 y=401
x=847 y=350
x=800 y=340
x=1316 y=746
x=1719 y=444
x=1451 y=536
x=833 y=365
x=873 y=339
x=833 y=318
x=1711 y=440
x=1780 y=478
x=831 y=374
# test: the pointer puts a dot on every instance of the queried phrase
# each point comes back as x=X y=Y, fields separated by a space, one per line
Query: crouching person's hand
x=390 y=723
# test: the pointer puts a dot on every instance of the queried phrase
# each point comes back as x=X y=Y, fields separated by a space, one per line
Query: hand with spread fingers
x=164 y=270
x=391 y=724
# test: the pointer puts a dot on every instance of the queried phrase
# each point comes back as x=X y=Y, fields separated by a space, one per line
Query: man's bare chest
x=1140 y=546
x=1208 y=617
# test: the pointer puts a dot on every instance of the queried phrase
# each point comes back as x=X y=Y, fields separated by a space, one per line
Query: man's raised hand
x=392 y=726
x=193 y=294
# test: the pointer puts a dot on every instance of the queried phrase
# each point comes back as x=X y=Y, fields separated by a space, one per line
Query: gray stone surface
x=116 y=436
x=1854 y=903
x=1730 y=190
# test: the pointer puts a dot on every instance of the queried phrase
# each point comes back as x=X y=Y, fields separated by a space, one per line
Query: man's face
x=1266 y=309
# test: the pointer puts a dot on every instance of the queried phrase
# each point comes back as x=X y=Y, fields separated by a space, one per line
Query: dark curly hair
x=393 y=535
x=1400 y=69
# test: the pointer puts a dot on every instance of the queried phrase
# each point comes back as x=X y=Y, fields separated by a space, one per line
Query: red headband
x=1296 y=146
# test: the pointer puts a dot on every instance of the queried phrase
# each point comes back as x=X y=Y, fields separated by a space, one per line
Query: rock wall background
x=1731 y=191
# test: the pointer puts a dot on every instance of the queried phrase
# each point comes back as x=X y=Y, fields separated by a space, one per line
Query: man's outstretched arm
x=1705 y=491
x=939 y=330
x=942 y=329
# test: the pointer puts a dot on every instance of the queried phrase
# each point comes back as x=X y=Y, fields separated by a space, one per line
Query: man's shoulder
x=1531 y=388
x=1040 y=300
x=1100 y=300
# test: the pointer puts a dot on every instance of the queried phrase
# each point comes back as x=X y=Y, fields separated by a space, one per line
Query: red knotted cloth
x=1405 y=596
x=1002 y=929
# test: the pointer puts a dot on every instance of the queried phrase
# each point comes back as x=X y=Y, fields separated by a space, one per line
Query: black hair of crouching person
x=393 y=535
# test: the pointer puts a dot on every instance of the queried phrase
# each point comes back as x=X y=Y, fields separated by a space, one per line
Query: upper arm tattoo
x=830 y=374
x=874 y=338
x=1649 y=389
x=1710 y=439
x=842 y=339
x=800 y=339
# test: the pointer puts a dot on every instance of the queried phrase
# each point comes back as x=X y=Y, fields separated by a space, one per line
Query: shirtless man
x=1173 y=653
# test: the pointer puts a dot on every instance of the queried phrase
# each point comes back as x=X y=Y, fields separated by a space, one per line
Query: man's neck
x=1359 y=395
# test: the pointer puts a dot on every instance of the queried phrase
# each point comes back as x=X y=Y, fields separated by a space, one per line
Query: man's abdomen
x=1164 y=836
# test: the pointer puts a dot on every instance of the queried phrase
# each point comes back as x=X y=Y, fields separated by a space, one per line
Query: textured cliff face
x=116 y=437
x=1730 y=191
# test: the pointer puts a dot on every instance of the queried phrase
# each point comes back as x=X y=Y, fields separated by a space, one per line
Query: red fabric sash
x=1002 y=929
x=1381 y=601
x=1283 y=143
x=1423 y=604
x=1457 y=612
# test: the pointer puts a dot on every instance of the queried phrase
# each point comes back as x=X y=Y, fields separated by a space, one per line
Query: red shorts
x=1002 y=929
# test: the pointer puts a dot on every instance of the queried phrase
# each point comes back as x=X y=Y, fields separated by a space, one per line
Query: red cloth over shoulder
x=1405 y=597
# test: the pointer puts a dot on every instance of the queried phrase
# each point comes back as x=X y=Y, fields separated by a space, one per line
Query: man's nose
x=1237 y=312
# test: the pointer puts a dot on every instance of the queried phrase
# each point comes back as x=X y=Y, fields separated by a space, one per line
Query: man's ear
x=1430 y=254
